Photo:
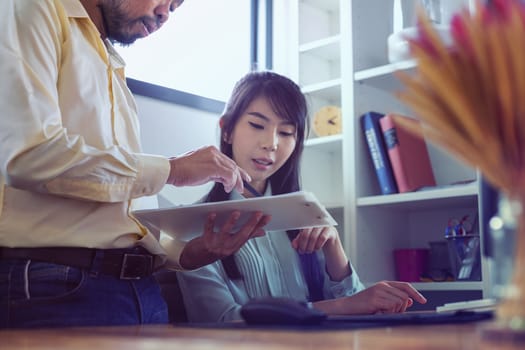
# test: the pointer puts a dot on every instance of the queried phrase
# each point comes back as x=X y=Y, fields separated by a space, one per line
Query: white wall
x=203 y=49
x=285 y=38
x=170 y=130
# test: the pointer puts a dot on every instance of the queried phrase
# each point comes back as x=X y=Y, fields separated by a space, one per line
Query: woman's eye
x=287 y=133
x=256 y=126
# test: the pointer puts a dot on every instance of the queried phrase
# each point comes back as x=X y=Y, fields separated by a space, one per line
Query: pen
x=251 y=189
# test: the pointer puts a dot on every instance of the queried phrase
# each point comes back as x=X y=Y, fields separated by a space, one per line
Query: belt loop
x=96 y=264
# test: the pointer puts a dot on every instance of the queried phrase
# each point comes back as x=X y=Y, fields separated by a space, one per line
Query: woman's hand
x=311 y=239
x=213 y=246
x=382 y=297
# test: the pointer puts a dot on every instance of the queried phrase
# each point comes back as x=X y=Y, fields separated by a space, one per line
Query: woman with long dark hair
x=262 y=130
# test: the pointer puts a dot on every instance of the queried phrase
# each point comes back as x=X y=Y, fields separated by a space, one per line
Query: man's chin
x=124 y=40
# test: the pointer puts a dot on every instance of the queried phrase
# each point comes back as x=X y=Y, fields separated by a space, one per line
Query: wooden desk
x=463 y=336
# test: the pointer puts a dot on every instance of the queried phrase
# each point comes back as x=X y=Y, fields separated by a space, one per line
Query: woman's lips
x=262 y=163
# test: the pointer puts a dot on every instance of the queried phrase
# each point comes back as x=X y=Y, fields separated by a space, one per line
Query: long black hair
x=288 y=102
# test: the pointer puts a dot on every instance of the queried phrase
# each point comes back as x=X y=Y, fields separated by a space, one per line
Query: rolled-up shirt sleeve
x=67 y=134
x=146 y=178
x=347 y=286
x=173 y=248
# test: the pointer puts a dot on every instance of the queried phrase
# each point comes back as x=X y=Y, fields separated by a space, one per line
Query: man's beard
x=116 y=22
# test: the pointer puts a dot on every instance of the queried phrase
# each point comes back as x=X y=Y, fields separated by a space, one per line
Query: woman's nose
x=270 y=142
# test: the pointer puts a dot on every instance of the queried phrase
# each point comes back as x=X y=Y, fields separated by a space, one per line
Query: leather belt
x=131 y=263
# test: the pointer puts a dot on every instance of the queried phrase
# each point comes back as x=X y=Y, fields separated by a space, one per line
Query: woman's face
x=262 y=142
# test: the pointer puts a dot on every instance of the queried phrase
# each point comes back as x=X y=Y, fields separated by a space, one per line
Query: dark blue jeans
x=35 y=294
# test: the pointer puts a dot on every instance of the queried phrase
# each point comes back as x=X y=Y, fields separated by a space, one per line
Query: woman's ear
x=225 y=136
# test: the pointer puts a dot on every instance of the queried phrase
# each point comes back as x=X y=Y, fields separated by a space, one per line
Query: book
x=378 y=152
x=408 y=155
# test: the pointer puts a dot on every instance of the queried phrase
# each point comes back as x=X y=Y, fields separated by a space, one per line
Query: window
x=203 y=49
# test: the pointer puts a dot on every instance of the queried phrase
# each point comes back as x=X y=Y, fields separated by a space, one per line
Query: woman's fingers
x=306 y=240
x=405 y=288
x=394 y=296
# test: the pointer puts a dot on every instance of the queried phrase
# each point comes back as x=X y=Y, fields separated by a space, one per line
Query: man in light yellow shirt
x=71 y=170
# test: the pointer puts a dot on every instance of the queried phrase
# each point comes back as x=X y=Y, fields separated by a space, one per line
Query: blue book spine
x=378 y=152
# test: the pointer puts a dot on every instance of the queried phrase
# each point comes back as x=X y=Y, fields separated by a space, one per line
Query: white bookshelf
x=341 y=55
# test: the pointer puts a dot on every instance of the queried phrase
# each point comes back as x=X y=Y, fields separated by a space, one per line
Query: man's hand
x=213 y=246
x=206 y=164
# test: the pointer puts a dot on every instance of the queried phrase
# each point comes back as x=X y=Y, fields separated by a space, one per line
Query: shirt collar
x=74 y=8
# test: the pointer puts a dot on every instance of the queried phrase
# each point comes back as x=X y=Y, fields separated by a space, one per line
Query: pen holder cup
x=411 y=264
x=439 y=261
x=464 y=253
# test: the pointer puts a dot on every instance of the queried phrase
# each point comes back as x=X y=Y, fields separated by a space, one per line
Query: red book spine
x=408 y=155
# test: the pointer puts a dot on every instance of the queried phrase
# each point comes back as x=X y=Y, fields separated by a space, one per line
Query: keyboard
x=478 y=304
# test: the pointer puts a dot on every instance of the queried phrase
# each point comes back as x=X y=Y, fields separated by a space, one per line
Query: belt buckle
x=136 y=266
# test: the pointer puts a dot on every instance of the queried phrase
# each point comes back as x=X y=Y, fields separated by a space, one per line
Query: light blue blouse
x=269 y=266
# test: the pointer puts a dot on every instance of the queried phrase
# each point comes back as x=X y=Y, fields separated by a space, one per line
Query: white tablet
x=289 y=211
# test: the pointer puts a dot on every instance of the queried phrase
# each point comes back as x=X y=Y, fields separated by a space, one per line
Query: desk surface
x=464 y=336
